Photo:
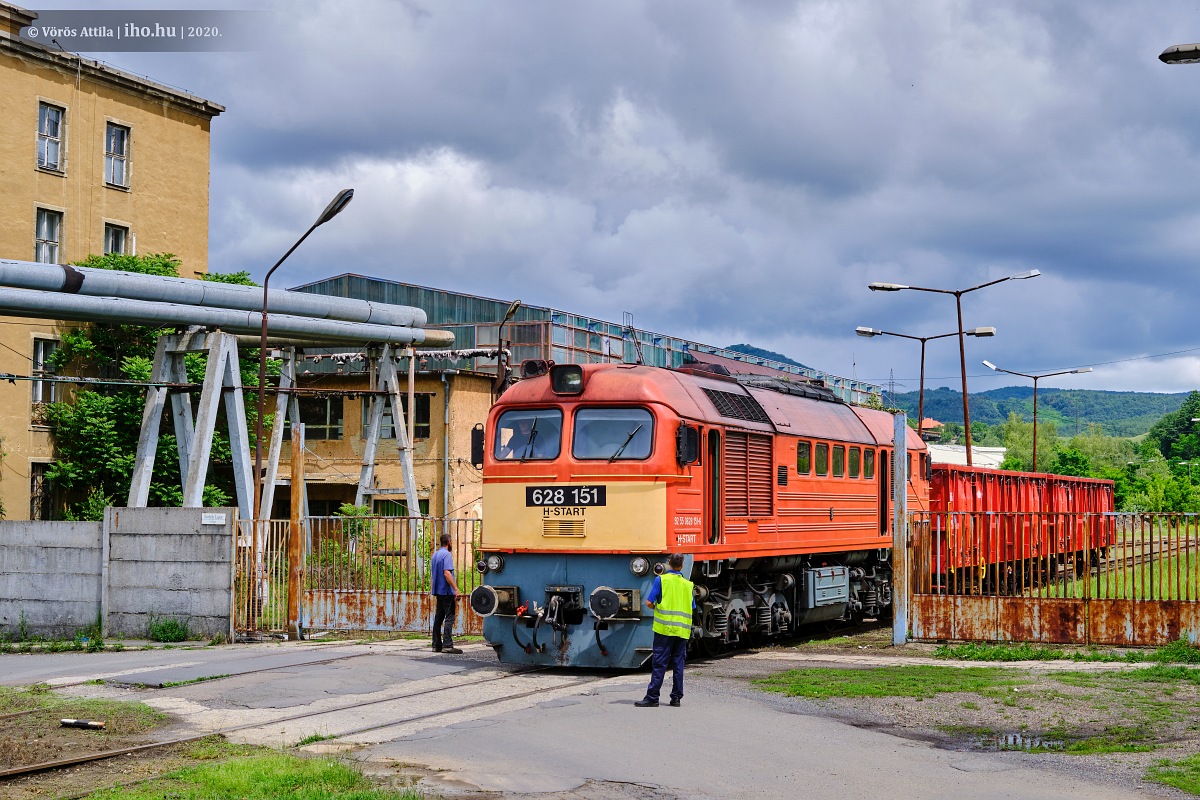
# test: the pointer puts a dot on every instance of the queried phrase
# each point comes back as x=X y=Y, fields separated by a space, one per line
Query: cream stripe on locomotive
x=625 y=515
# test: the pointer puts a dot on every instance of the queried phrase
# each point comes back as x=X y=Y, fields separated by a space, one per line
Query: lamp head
x=335 y=206
x=1081 y=370
x=1180 y=54
x=512 y=310
x=886 y=287
x=868 y=332
x=989 y=331
x=991 y=366
x=1033 y=273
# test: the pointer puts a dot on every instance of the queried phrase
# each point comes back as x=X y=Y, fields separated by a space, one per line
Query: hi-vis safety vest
x=673 y=613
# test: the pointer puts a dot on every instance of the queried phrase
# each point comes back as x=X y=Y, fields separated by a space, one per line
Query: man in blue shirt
x=671 y=598
x=444 y=590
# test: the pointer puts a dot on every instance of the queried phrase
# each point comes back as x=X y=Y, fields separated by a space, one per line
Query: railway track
x=45 y=766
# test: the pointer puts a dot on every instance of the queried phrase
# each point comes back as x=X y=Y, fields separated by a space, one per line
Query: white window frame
x=111 y=231
x=43 y=391
x=47 y=235
x=47 y=139
x=116 y=160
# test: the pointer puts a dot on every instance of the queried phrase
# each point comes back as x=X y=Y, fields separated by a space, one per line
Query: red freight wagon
x=1017 y=520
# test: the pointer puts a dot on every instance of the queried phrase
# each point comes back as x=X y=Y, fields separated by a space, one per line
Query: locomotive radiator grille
x=563 y=528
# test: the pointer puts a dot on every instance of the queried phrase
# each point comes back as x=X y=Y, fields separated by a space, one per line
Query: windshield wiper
x=532 y=439
x=625 y=443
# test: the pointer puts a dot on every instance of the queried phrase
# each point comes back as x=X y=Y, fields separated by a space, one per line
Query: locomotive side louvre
x=769 y=545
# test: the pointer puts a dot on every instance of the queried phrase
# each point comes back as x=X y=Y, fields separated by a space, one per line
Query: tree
x=1175 y=435
x=96 y=432
x=1018 y=441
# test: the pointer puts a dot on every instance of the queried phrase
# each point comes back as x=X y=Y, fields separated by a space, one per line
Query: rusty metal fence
x=359 y=573
x=261 y=576
x=1082 y=578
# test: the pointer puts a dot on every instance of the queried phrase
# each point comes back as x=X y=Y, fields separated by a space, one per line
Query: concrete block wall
x=137 y=564
x=169 y=562
x=51 y=573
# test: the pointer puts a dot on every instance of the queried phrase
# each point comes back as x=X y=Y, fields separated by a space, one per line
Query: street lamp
x=962 y=346
x=335 y=206
x=869 y=332
x=1035 y=379
x=1180 y=54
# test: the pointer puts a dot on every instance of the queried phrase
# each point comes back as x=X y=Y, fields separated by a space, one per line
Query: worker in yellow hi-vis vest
x=671 y=599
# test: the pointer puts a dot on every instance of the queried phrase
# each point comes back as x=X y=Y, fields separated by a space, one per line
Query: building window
x=50 y=123
x=397 y=508
x=322 y=418
x=40 y=492
x=43 y=390
x=48 y=236
x=116 y=155
x=115 y=237
x=387 y=430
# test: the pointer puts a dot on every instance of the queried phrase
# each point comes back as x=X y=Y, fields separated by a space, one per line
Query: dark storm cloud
x=738 y=171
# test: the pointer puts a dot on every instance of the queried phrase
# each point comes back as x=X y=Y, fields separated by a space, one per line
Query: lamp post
x=962 y=346
x=869 y=332
x=1035 y=379
x=335 y=206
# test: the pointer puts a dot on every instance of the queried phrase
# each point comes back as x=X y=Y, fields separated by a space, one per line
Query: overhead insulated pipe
x=53 y=305
x=209 y=294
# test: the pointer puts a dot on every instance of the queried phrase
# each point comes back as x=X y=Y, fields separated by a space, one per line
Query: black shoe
x=646 y=703
x=437 y=649
x=675 y=702
x=454 y=651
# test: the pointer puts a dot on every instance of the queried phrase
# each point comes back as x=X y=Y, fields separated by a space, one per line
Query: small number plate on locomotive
x=564 y=496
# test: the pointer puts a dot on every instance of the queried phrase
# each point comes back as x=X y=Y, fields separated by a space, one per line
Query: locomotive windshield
x=529 y=434
x=612 y=433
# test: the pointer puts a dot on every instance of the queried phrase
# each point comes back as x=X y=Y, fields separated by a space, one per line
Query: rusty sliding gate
x=359 y=573
x=1077 y=578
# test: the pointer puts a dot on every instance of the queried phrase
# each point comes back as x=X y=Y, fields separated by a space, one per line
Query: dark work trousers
x=443 y=621
x=669 y=652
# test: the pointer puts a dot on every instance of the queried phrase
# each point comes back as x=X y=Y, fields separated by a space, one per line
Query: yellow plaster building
x=93 y=160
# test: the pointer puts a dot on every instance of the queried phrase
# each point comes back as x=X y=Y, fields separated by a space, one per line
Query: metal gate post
x=295 y=539
x=900 y=553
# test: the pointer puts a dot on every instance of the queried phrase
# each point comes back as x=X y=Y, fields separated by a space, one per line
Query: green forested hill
x=1120 y=413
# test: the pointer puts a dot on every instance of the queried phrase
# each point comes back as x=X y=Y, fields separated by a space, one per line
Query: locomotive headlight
x=481 y=567
x=639 y=566
x=495 y=562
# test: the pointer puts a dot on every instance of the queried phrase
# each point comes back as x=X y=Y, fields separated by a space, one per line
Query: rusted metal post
x=295 y=536
x=901 y=569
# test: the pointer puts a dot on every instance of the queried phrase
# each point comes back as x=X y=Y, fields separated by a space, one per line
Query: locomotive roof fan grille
x=737 y=406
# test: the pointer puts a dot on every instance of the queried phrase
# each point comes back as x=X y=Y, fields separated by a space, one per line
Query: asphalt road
x=467 y=726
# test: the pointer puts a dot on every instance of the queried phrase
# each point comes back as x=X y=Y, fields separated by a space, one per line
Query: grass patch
x=1115 y=739
x=313 y=738
x=1183 y=774
x=919 y=682
x=122 y=716
x=268 y=776
x=190 y=681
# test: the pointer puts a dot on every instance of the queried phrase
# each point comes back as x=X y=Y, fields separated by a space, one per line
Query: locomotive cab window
x=612 y=433
x=822 y=459
x=803 y=457
x=855 y=459
x=523 y=434
x=869 y=464
x=839 y=461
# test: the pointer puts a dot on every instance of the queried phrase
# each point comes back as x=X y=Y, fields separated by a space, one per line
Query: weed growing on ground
x=167 y=629
x=1183 y=774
